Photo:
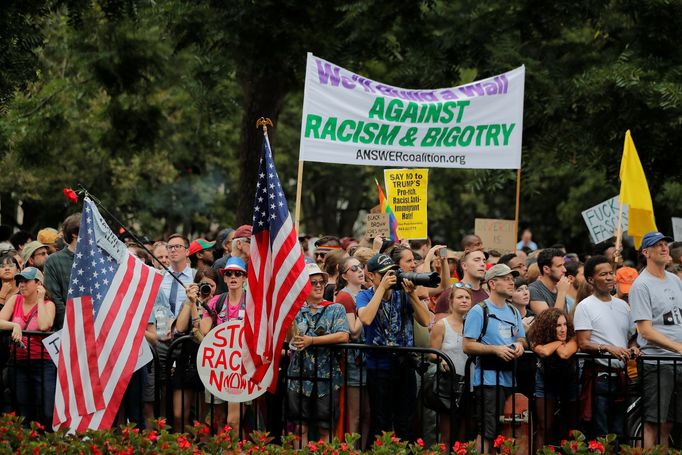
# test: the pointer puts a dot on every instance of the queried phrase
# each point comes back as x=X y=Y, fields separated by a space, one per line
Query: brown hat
x=48 y=236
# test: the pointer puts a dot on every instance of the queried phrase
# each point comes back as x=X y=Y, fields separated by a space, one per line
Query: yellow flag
x=634 y=192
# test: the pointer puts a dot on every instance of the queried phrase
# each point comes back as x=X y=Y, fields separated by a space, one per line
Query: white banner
x=677 y=229
x=602 y=220
x=350 y=119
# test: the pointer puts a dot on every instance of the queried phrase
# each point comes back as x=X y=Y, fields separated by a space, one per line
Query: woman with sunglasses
x=186 y=382
x=8 y=268
x=34 y=374
x=350 y=282
x=225 y=307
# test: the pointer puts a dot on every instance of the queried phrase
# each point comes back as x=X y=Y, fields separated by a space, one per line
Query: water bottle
x=161 y=323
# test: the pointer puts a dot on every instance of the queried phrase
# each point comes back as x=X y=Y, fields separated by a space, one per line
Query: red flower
x=39 y=425
x=312 y=446
x=596 y=446
x=394 y=439
x=442 y=447
x=71 y=195
x=34 y=434
x=378 y=443
x=183 y=443
x=574 y=446
x=420 y=442
x=499 y=441
x=344 y=446
x=161 y=422
x=153 y=436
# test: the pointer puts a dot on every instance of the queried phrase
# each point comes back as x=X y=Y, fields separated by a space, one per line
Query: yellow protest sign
x=407 y=194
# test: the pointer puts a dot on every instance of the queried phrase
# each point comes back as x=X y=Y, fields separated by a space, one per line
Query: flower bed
x=15 y=438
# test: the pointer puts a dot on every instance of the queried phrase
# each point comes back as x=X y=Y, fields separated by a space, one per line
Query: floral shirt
x=329 y=318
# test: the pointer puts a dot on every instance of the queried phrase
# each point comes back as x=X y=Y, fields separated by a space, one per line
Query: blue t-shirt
x=392 y=325
x=504 y=328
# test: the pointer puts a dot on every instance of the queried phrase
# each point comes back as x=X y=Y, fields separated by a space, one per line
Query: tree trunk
x=263 y=97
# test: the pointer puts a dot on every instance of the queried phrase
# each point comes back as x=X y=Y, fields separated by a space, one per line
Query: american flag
x=278 y=283
x=110 y=298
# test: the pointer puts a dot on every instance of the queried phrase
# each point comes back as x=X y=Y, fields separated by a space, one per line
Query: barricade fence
x=326 y=391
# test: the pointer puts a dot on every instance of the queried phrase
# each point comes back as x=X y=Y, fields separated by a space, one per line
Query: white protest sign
x=602 y=220
x=219 y=362
x=350 y=119
x=677 y=229
x=53 y=343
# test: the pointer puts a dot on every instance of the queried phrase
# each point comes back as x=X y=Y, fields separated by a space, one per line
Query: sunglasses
x=320 y=255
x=353 y=268
x=316 y=283
x=235 y=273
x=459 y=285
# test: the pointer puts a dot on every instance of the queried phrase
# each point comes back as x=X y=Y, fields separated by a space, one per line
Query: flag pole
x=516 y=211
x=617 y=256
x=299 y=188
x=135 y=238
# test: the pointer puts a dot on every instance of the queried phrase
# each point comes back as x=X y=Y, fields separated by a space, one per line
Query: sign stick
x=619 y=231
x=516 y=212
x=299 y=188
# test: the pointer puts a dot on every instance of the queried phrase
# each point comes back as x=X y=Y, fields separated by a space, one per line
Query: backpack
x=493 y=362
x=486 y=316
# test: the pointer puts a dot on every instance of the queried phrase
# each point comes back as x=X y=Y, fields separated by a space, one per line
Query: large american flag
x=110 y=298
x=278 y=283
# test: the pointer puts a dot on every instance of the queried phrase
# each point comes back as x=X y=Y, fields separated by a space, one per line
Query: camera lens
x=205 y=289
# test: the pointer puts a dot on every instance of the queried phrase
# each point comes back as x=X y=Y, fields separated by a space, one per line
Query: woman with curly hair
x=552 y=338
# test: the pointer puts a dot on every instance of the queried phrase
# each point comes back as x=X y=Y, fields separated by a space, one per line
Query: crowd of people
x=487 y=310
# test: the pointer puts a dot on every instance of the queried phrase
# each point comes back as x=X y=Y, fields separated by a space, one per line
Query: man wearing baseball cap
x=656 y=300
x=241 y=242
x=496 y=343
x=625 y=276
x=386 y=311
x=34 y=254
x=201 y=254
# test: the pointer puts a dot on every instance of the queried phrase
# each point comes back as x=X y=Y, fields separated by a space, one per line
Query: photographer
x=386 y=311
x=186 y=382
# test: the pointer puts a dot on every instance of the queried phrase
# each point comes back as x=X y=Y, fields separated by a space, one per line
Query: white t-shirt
x=610 y=323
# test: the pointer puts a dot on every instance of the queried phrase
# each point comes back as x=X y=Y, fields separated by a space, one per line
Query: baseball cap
x=243 y=232
x=380 y=263
x=625 y=276
x=499 y=270
x=234 y=263
x=200 y=245
x=651 y=238
x=29 y=273
x=47 y=236
x=314 y=269
x=29 y=249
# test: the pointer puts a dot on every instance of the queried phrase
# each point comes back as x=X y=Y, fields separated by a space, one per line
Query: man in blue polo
x=496 y=343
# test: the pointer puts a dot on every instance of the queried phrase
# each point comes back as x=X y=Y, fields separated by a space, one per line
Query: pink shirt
x=228 y=312
x=21 y=318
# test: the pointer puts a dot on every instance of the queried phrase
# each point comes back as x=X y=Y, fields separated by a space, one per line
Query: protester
x=350 y=282
x=223 y=251
x=201 y=254
x=58 y=268
x=552 y=338
x=502 y=341
x=575 y=276
x=527 y=241
x=48 y=237
x=625 y=276
x=318 y=322
x=447 y=336
x=473 y=268
x=493 y=257
x=603 y=325
x=8 y=268
x=521 y=299
x=241 y=242
x=19 y=239
x=34 y=374
x=332 y=261
x=186 y=382
x=160 y=251
x=34 y=254
x=676 y=252
x=323 y=246
x=386 y=312
x=656 y=300
x=550 y=289
x=227 y=306
x=515 y=263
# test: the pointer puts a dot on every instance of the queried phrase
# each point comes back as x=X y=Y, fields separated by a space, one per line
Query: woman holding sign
x=222 y=308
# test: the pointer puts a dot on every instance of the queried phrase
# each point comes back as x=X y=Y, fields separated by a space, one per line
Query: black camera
x=204 y=289
x=429 y=280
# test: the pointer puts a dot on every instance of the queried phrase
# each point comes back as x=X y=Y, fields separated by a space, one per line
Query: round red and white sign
x=219 y=362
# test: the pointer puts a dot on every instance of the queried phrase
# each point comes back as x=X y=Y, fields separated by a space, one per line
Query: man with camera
x=493 y=331
x=386 y=311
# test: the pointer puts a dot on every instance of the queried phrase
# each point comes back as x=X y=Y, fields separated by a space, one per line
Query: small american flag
x=110 y=298
x=278 y=283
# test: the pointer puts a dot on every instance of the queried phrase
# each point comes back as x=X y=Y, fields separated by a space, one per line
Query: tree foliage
x=152 y=105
